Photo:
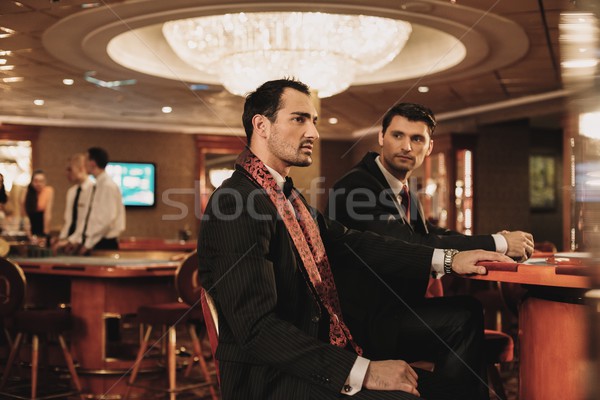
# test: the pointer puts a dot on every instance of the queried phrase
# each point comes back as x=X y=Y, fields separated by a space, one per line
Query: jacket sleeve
x=385 y=255
x=364 y=207
x=237 y=250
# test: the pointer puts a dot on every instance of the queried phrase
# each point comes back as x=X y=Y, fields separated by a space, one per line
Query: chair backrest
x=12 y=287
x=186 y=280
x=211 y=319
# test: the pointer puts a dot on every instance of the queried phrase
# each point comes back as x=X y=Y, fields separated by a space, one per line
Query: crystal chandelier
x=325 y=51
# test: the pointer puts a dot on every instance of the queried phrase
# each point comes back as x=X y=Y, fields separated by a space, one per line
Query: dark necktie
x=74 y=212
x=287 y=187
x=87 y=217
x=405 y=201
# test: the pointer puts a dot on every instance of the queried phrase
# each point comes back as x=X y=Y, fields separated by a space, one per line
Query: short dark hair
x=266 y=100
x=412 y=112
x=99 y=156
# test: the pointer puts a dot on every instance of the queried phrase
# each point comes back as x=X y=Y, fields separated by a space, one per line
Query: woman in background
x=38 y=204
x=3 y=196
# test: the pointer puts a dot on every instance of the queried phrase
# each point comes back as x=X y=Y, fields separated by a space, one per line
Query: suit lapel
x=368 y=162
x=420 y=225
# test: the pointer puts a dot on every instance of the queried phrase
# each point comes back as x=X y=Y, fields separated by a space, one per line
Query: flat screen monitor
x=136 y=180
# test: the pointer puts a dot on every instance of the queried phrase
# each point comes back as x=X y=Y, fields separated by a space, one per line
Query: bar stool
x=169 y=315
x=211 y=320
x=34 y=323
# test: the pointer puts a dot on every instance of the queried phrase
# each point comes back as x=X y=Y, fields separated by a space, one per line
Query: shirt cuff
x=501 y=243
x=356 y=378
x=437 y=263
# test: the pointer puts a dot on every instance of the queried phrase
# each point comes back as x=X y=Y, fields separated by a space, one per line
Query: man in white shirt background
x=105 y=219
x=77 y=204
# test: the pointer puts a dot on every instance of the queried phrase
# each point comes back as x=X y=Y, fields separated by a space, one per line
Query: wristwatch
x=448 y=258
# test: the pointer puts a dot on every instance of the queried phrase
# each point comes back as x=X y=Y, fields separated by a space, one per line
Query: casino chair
x=34 y=323
x=169 y=315
x=211 y=320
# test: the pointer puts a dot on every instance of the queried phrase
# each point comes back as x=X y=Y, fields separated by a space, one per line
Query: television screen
x=137 y=182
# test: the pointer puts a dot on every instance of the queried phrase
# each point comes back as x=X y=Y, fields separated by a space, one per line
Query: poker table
x=553 y=325
x=101 y=292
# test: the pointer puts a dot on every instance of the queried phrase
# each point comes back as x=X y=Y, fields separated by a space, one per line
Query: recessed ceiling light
x=90 y=5
x=2 y=61
x=332 y=120
x=167 y=109
x=6 y=67
x=5 y=53
x=38 y=102
x=423 y=89
x=581 y=63
x=68 y=82
x=12 y=79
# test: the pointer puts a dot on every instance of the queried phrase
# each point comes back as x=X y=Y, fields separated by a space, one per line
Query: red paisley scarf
x=307 y=240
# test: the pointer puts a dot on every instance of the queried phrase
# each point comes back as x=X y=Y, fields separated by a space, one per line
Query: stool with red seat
x=35 y=323
x=170 y=315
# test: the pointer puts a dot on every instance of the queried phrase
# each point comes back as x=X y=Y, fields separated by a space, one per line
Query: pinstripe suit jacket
x=272 y=331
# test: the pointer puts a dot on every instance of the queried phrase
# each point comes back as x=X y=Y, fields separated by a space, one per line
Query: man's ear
x=430 y=147
x=260 y=123
x=380 y=138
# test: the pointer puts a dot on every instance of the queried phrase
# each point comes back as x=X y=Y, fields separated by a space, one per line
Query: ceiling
x=512 y=67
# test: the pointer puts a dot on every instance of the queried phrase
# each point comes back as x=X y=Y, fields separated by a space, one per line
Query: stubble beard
x=287 y=153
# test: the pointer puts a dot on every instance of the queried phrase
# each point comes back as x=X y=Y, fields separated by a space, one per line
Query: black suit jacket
x=273 y=333
x=362 y=199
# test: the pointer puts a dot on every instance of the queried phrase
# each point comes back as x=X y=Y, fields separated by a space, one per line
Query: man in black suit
x=374 y=196
x=263 y=259
x=368 y=197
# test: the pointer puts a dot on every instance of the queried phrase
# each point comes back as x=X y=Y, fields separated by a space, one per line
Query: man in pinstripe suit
x=280 y=336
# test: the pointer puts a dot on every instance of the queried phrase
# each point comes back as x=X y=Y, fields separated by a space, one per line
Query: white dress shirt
x=106 y=216
x=82 y=208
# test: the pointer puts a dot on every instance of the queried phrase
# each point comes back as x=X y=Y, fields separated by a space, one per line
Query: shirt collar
x=395 y=183
x=279 y=180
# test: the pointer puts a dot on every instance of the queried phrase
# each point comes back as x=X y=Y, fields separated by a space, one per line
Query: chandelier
x=325 y=51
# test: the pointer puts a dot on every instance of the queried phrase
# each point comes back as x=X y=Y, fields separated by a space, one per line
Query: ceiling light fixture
x=332 y=120
x=167 y=109
x=423 y=89
x=13 y=79
x=6 y=32
x=326 y=51
x=38 y=102
x=68 y=81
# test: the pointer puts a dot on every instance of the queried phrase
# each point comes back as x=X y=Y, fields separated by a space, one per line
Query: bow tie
x=288 y=186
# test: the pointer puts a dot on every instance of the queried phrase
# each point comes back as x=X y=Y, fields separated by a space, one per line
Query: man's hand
x=71 y=248
x=58 y=245
x=520 y=244
x=391 y=375
x=84 y=251
x=465 y=261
